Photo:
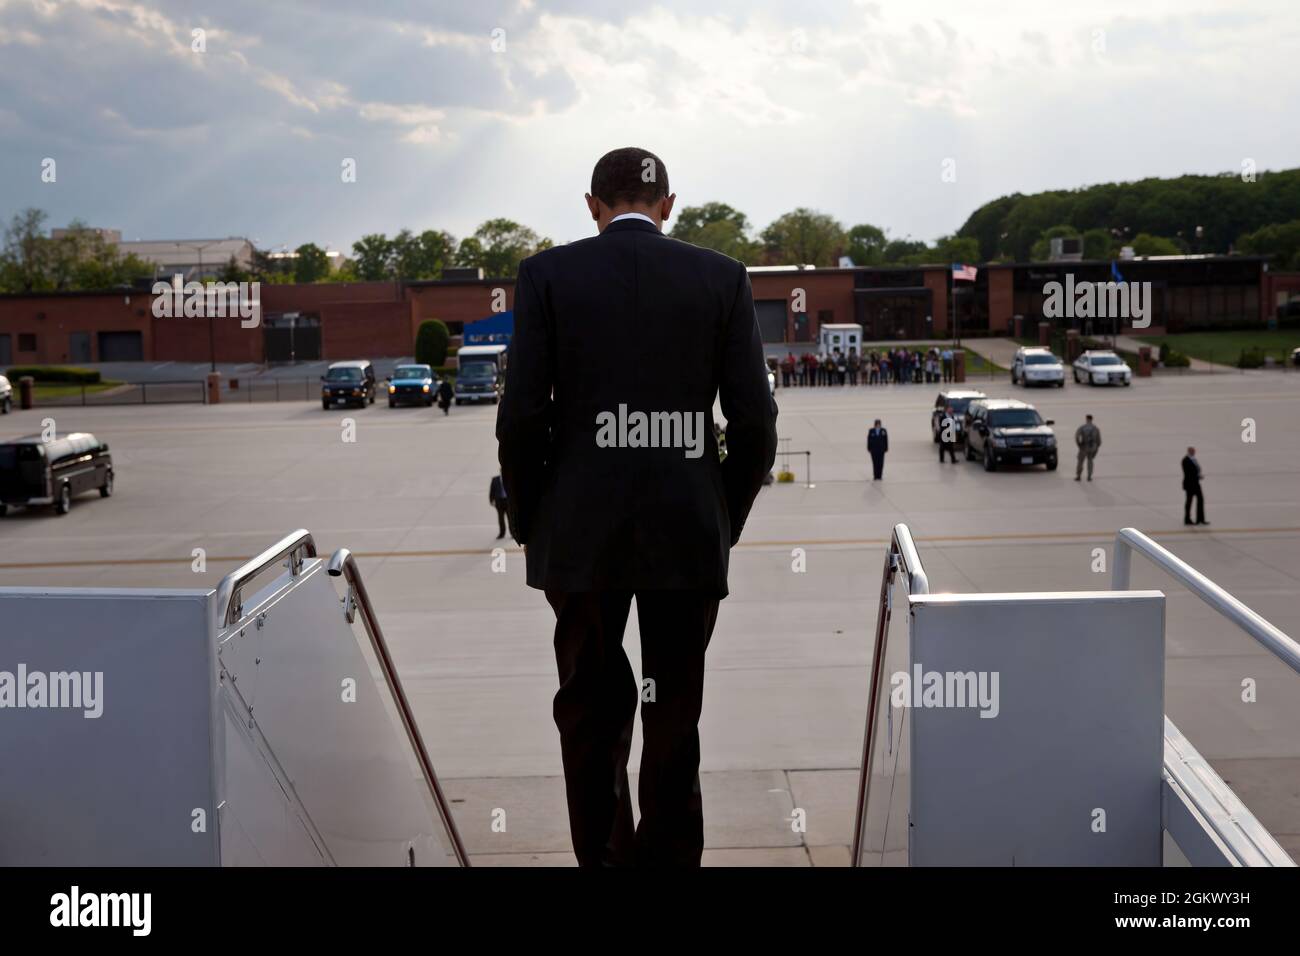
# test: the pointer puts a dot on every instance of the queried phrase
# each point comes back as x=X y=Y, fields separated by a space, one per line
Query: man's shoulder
x=581 y=251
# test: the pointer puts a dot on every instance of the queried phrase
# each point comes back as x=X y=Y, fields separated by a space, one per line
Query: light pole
x=212 y=329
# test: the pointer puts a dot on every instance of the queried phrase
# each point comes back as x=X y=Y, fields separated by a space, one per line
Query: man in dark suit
x=615 y=491
x=877 y=445
x=948 y=431
x=497 y=498
x=1192 y=488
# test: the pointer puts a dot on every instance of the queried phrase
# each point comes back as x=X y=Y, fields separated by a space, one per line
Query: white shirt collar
x=635 y=215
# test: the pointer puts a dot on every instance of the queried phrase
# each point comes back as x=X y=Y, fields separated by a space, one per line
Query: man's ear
x=666 y=207
x=593 y=205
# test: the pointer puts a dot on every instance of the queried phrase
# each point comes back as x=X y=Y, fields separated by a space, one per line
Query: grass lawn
x=48 y=390
x=1226 y=347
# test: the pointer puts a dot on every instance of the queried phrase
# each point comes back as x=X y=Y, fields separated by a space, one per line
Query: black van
x=38 y=472
x=348 y=383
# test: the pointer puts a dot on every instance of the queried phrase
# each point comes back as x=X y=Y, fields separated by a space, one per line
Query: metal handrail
x=342 y=564
x=901 y=555
x=1239 y=836
x=1130 y=539
x=230 y=602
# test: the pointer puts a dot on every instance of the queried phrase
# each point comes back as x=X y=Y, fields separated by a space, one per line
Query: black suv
x=959 y=399
x=348 y=383
x=1004 y=431
x=34 y=471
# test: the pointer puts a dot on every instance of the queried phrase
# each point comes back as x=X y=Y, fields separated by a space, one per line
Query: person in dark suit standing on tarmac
x=497 y=498
x=948 y=431
x=1192 y=487
x=616 y=491
x=877 y=445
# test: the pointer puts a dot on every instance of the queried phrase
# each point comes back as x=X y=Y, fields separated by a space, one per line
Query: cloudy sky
x=456 y=112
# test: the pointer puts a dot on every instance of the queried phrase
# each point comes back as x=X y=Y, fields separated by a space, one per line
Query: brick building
x=379 y=319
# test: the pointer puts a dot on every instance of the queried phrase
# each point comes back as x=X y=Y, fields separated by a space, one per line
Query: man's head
x=629 y=180
x=877 y=422
x=1089 y=418
x=1191 y=452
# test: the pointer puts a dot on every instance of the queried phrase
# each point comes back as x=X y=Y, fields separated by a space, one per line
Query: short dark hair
x=629 y=175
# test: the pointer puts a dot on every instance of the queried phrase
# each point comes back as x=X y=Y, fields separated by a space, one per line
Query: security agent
x=948 y=435
x=1192 y=475
x=877 y=445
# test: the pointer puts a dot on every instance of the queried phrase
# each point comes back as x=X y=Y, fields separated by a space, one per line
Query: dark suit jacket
x=496 y=490
x=1191 y=474
x=633 y=318
x=877 y=444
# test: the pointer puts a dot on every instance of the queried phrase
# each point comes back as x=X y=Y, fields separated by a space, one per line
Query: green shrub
x=1251 y=358
x=1172 y=359
x=55 y=373
x=431 y=341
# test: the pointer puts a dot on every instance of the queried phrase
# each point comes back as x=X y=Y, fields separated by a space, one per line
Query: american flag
x=963 y=273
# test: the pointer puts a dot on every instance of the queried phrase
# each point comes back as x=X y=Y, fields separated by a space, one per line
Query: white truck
x=842 y=336
x=480 y=373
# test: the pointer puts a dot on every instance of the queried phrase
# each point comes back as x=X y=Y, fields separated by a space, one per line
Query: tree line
x=1254 y=214
x=1247 y=212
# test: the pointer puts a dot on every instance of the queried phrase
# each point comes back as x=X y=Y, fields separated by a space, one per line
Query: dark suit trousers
x=1194 y=492
x=594 y=711
x=877 y=464
x=500 y=505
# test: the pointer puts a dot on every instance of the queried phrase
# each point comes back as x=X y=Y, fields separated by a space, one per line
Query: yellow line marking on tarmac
x=457 y=552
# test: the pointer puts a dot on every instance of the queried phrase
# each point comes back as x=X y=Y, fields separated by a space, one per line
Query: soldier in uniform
x=1088 y=438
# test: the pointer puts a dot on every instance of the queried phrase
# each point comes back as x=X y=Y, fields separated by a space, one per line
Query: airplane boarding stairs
x=215 y=727
x=1028 y=729
x=231 y=727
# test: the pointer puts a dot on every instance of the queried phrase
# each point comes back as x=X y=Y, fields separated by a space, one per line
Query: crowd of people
x=887 y=367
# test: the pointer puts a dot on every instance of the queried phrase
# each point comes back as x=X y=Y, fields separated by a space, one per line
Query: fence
x=129 y=393
x=51 y=395
x=273 y=390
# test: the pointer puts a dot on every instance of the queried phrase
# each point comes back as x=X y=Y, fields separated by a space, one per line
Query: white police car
x=1102 y=367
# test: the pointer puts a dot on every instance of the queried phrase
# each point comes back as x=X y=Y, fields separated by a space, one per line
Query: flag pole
x=952 y=283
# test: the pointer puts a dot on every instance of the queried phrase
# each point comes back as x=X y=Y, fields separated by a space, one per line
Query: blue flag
x=1114 y=271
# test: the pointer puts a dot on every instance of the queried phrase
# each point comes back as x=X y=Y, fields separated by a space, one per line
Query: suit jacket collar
x=630 y=225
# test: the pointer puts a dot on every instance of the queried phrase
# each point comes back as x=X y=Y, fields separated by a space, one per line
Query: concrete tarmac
x=788 y=666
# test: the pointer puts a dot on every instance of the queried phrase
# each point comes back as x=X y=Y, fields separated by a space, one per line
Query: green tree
x=311 y=264
x=431 y=341
x=271 y=269
x=957 y=249
x=1097 y=244
x=803 y=237
x=423 y=256
x=25 y=259
x=498 y=246
x=1223 y=206
x=1280 y=240
x=904 y=251
x=1148 y=245
x=866 y=245
x=80 y=259
x=345 y=271
x=718 y=226
x=373 y=257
